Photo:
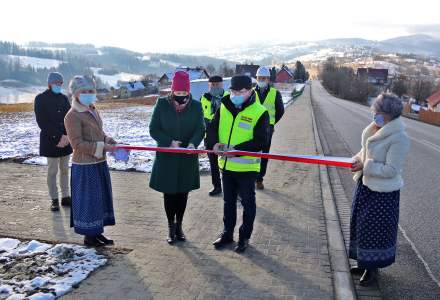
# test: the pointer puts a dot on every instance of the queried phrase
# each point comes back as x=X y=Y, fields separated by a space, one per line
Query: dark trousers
x=215 y=171
x=235 y=184
x=264 y=161
x=175 y=205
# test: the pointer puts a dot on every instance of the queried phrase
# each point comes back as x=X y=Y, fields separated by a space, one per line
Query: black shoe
x=55 y=205
x=66 y=201
x=171 y=238
x=222 y=241
x=259 y=185
x=242 y=245
x=215 y=192
x=105 y=240
x=357 y=271
x=368 y=277
x=180 y=236
x=92 y=241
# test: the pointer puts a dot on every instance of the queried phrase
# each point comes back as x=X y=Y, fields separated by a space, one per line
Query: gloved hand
x=121 y=155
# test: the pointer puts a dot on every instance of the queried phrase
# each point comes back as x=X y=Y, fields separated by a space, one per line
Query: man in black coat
x=50 y=108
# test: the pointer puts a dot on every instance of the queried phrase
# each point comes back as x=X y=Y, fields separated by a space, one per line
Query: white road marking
x=433 y=146
x=420 y=257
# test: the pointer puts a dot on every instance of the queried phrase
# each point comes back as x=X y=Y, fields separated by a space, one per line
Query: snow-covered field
x=19 y=137
x=39 y=271
x=112 y=80
x=11 y=95
x=35 y=62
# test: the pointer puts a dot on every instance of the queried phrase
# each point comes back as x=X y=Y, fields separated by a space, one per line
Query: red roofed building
x=434 y=101
x=284 y=75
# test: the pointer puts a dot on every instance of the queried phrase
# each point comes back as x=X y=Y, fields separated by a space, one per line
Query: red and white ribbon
x=333 y=161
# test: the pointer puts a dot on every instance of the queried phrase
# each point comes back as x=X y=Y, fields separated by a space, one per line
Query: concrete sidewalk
x=288 y=257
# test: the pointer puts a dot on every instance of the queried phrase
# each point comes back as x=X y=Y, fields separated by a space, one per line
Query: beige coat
x=86 y=135
x=383 y=154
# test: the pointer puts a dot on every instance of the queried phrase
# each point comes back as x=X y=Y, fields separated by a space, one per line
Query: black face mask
x=180 y=99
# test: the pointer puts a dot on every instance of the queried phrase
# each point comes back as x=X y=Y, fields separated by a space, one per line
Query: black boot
x=180 y=236
x=368 y=277
x=222 y=241
x=241 y=245
x=357 y=271
x=92 y=241
x=105 y=240
x=215 y=191
x=171 y=238
x=66 y=201
x=55 y=205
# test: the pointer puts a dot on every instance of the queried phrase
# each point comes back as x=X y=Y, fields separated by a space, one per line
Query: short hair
x=215 y=78
x=388 y=104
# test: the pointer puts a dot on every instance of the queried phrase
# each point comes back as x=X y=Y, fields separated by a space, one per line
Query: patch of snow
x=35 y=62
x=7 y=244
x=45 y=271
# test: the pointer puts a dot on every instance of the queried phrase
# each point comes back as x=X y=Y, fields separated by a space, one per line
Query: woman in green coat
x=177 y=121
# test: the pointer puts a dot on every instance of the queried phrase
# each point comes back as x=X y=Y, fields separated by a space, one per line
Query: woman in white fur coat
x=378 y=173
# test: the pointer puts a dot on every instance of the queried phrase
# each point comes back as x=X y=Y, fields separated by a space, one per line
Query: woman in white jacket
x=375 y=210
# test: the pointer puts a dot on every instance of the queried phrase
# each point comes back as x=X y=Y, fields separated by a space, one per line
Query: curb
x=342 y=280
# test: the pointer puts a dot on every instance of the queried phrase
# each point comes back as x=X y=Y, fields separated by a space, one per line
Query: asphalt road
x=417 y=270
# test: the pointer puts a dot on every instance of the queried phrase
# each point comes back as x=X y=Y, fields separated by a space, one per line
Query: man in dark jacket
x=210 y=103
x=50 y=108
x=271 y=99
x=241 y=123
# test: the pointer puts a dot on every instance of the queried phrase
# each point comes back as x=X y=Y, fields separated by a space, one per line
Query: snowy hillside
x=34 y=62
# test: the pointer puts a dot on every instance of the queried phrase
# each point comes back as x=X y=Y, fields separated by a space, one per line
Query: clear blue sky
x=175 y=25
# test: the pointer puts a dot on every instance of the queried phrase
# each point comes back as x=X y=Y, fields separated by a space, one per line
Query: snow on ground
x=35 y=270
x=112 y=80
x=11 y=95
x=319 y=55
x=35 y=62
x=19 y=137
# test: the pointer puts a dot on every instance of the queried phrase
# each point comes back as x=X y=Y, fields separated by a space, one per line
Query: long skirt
x=92 y=200
x=373 y=227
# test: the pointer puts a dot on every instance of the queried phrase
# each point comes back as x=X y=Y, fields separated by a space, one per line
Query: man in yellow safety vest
x=210 y=103
x=271 y=99
x=241 y=123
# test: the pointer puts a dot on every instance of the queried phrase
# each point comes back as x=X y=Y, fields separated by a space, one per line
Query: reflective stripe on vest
x=233 y=131
x=269 y=103
x=207 y=107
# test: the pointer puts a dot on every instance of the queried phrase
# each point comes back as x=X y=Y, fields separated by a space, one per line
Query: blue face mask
x=87 y=99
x=378 y=120
x=55 y=89
x=237 y=100
x=262 y=84
x=216 y=91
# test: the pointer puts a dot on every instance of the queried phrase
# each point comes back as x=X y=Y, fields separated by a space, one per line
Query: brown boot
x=260 y=185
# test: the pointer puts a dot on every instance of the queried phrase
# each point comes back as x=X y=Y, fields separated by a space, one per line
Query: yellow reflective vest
x=269 y=103
x=207 y=108
x=233 y=131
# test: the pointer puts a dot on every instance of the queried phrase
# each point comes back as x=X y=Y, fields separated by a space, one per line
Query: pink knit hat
x=180 y=82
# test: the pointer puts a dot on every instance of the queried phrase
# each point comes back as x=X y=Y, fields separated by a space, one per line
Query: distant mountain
x=318 y=50
x=413 y=44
